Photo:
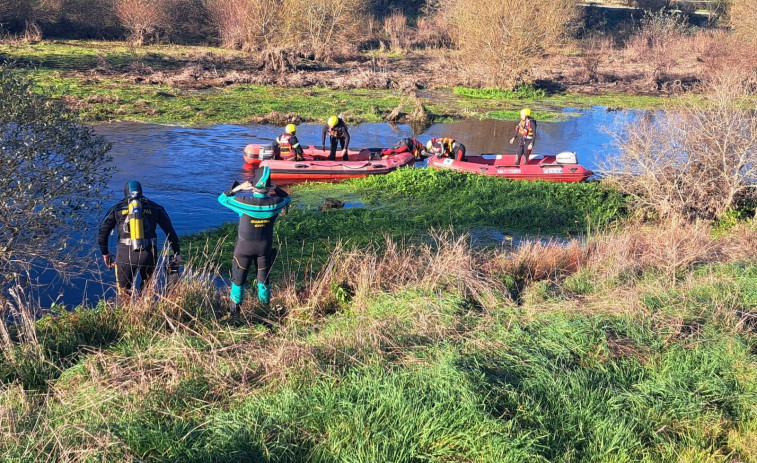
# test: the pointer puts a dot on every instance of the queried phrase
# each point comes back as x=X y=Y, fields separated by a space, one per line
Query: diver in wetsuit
x=257 y=215
x=135 y=218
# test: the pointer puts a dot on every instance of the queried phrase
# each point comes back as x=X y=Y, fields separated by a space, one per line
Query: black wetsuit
x=257 y=215
x=338 y=135
x=129 y=261
x=449 y=148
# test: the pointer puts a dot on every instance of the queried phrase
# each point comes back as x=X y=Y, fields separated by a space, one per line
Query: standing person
x=338 y=134
x=135 y=219
x=287 y=143
x=446 y=148
x=257 y=215
x=525 y=131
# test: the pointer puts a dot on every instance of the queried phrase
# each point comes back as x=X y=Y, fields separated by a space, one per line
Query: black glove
x=230 y=191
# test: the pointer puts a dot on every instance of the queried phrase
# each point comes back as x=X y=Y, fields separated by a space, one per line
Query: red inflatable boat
x=562 y=167
x=365 y=163
x=255 y=153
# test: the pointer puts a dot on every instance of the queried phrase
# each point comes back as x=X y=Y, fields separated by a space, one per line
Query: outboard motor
x=566 y=157
x=267 y=152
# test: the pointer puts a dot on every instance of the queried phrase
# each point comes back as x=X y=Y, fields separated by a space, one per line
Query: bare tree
x=252 y=25
x=695 y=160
x=52 y=170
x=326 y=25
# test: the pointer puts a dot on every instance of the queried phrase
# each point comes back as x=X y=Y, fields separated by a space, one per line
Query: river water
x=185 y=169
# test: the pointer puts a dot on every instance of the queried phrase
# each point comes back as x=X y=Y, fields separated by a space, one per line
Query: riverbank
x=195 y=85
x=407 y=328
x=404 y=205
x=606 y=352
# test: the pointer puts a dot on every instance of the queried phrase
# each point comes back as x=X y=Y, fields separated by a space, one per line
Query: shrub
x=322 y=27
x=52 y=170
x=503 y=48
x=694 y=161
x=30 y=13
x=326 y=27
x=743 y=19
x=144 y=19
x=247 y=24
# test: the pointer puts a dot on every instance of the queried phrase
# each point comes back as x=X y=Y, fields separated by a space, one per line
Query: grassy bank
x=111 y=81
x=603 y=355
x=405 y=204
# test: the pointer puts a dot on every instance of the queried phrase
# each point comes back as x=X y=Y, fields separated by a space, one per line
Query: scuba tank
x=136 y=218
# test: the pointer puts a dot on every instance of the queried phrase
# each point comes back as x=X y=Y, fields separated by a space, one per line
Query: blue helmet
x=132 y=188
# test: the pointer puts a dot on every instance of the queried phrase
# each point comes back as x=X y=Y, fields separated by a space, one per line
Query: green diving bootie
x=264 y=293
x=236 y=299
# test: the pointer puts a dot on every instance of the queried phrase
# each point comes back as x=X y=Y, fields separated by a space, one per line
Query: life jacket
x=444 y=146
x=526 y=128
x=338 y=130
x=284 y=146
x=415 y=147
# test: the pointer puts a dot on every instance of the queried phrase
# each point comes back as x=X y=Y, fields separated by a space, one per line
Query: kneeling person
x=257 y=215
x=446 y=148
x=287 y=143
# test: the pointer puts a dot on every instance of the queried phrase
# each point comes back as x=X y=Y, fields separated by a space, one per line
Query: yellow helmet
x=290 y=128
x=525 y=112
x=429 y=145
x=333 y=120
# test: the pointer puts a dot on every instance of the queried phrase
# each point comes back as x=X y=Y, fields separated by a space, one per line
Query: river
x=185 y=169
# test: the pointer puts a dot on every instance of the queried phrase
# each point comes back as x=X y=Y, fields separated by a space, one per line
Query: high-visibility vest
x=284 y=146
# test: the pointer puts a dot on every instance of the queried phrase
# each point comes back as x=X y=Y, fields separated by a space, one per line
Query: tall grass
x=412 y=351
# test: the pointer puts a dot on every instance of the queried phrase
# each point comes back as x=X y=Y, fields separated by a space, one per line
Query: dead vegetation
x=509 y=40
x=323 y=43
x=696 y=161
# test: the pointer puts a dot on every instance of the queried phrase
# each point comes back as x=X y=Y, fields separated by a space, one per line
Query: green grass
x=405 y=204
x=412 y=377
x=73 y=70
x=493 y=93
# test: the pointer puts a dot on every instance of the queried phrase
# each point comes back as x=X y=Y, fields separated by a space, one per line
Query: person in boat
x=338 y=134
x=135 y=219
x=525 y=132
x=254 y=246
x=287 y=143
x=446 y=148
x=406 y=145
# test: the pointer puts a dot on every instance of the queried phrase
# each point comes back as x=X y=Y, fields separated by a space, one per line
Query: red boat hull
x=360 y=165
x=253 y=155
x=503 y=165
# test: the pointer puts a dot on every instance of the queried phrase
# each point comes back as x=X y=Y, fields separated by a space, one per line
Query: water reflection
x=185 y=169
